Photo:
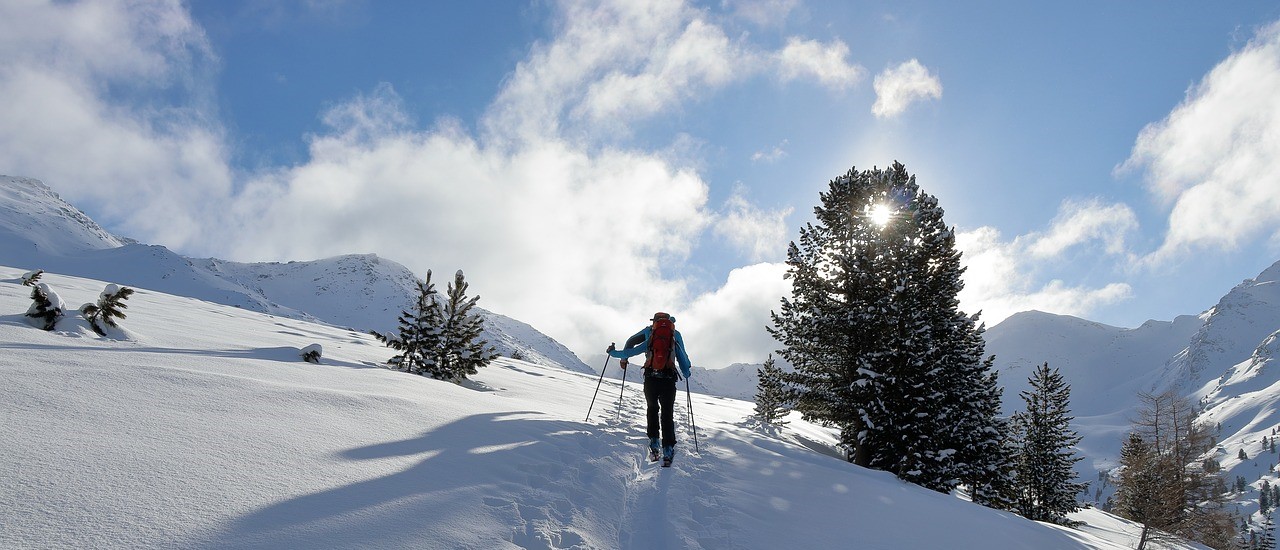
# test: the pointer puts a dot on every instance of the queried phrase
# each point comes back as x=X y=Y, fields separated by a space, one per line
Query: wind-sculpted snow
x=204 y=429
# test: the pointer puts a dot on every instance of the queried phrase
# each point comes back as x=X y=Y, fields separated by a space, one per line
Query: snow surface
x=198 y=426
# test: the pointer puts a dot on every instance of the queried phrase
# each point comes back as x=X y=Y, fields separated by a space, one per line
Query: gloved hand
x=611 y=349
x=623 y=363
x=685 y=371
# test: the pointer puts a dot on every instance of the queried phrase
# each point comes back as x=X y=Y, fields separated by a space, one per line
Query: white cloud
x=1216 y=157
x=1000 y=281
x=546 y=233
x=1079 y=222
x=778 y=152
x=827 y=63
x=760 y=234
x=898 y=87
x=731 y=321
x=552 y=224
x=87 y=107
x=765 y=13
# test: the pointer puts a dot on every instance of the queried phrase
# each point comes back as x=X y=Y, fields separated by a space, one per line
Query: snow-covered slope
x=38 y=230
x=1105 y=366
x=51 y=226
x=1224 y=360
x=1240 y=321
x=198 y=426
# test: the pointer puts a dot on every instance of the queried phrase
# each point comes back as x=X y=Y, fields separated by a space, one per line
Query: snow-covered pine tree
x=418 y=336
x=1267 y=536
x=110 y=307
x=771 y=394
x=1046 y=462
x=873 y=329
x=46 y=306
x=311 y=353
x=462 y=350
x=30 y=278
x=1264 y=497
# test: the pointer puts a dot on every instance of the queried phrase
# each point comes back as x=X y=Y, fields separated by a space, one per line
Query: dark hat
x=660 y=315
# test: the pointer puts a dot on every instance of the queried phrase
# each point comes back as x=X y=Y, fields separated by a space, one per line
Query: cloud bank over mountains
x=114 y=105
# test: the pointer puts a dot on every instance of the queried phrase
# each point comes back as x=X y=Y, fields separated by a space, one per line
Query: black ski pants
x=660 y=395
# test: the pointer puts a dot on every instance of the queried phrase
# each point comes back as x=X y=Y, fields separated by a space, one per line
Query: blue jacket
x=643 y=336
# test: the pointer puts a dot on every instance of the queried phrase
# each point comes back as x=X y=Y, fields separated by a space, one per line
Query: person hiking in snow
x=663 y=348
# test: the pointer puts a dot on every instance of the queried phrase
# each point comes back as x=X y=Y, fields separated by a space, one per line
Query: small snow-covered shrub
x=108 y=309
x=30 y=278
x=46 y=306
x=311 y=354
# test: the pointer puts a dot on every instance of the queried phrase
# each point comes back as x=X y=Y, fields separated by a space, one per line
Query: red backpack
x=662 y=343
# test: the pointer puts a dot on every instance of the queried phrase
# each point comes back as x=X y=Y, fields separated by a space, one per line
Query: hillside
x=1224 y=360
x=38 y=230
x=197 y=426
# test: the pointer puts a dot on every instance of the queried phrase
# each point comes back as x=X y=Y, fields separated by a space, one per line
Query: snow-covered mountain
x=1223 y=359
x=197 y=425
x=38 y=230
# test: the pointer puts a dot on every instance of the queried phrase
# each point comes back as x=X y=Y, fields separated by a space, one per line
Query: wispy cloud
x=765 y=13
x=773 y=155
x=1079 y=222
x=1216 y=157
x=828 y=63
x=898 y=87
x=760 y=234
x=1004 y=277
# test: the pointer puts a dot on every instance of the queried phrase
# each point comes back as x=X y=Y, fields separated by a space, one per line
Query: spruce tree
x=31 y=278
x=418 y=335
x=1264 y=497
x=461 y=350
x=1267 y=538
x=874 y=331
x=109 y=307
x=1046 y=462
x=771 y=394
x=46 y=306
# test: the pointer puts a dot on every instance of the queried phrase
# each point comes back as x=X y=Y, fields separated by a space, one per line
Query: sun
x=880 y=214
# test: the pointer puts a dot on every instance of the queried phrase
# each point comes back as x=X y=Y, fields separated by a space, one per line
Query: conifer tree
x=771 y=394
x=461 y=350
x=418 y=334
x=109 y=307
x=46 y=306
x=1264 y=497
x=1267 y=536
x=31 y=278
x=879 y=346
x=1046 y=462
x=1140 y=488
x=1186 y=502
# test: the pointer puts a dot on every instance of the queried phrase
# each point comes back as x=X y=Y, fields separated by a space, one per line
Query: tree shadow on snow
x=483 y=454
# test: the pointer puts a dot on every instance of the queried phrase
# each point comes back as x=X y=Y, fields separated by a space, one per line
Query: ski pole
x=693 y=425
x=593 y=396
x=624 y=387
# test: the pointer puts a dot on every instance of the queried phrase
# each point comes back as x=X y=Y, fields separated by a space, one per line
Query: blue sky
x=588 y=163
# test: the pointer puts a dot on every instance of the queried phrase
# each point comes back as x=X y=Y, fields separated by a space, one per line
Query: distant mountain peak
x=35 y=220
